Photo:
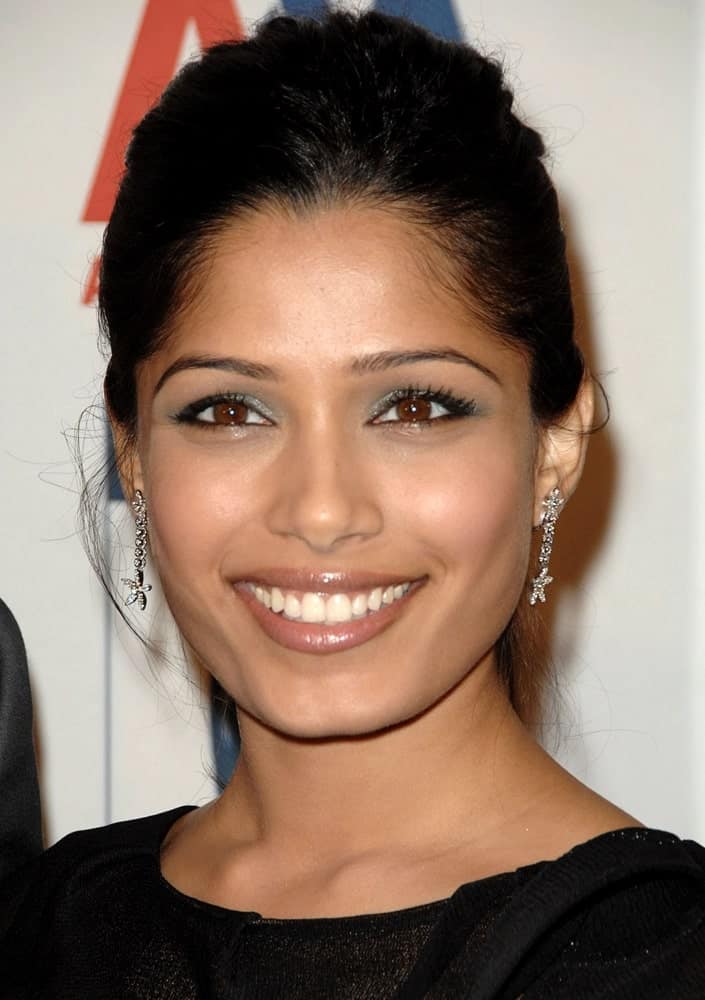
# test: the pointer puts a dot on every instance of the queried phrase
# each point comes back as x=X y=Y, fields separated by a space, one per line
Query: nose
x=323 y=492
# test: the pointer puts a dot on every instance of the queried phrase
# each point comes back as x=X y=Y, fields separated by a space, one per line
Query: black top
x=622 y=916
x=20 y=819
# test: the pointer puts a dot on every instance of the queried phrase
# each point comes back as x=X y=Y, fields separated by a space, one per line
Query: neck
x=457 y=771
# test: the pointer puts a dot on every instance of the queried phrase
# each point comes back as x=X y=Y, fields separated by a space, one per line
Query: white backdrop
x=618 y=89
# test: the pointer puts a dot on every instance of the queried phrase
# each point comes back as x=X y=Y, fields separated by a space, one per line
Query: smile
x=315 y=622
x=308 y=606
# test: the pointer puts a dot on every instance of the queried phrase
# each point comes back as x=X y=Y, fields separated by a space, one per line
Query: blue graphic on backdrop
x=439 y=17
x=224 y=733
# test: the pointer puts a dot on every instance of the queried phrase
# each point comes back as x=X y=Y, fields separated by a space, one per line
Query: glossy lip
x=327 y=582
x=309 y=637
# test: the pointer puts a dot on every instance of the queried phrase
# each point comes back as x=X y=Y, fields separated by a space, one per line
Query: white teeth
x=264 y=597
x=359 y=605
x=374 y=601
x=313 y=608
x=336 y=608
x=292 y=606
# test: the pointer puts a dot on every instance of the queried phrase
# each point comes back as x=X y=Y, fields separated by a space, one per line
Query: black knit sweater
x=620 y=916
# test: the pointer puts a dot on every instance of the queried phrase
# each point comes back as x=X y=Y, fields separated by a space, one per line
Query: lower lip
x=308 y=637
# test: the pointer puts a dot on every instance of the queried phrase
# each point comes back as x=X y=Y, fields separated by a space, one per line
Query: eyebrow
x=363 y=365
x=383 y=360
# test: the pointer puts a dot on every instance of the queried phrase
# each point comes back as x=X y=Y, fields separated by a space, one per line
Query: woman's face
x=296 y=423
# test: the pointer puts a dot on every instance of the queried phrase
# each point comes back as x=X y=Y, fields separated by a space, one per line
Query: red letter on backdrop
x=152 y=65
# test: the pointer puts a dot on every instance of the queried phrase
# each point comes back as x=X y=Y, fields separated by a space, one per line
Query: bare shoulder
x=576 y=814
x=555 y=813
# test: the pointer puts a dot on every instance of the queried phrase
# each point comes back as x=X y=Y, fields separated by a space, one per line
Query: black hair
x=347 y=108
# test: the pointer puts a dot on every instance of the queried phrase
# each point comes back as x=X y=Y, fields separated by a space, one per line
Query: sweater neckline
x=406 y=915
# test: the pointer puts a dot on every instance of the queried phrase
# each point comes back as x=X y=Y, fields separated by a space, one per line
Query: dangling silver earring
x=552 y=509
x=138 y=588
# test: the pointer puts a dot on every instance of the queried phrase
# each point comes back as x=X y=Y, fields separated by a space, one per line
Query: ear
x=562 y=448
x=127 y=459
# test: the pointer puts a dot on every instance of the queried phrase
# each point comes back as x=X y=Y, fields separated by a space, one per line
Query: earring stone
x=138 y=588
x=552 y=505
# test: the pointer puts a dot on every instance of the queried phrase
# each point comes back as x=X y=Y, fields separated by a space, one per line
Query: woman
x=348 y=407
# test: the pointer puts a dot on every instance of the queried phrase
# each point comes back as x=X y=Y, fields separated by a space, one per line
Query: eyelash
x=457 y=406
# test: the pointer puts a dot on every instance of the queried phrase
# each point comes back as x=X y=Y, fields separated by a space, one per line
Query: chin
x=343 y=728
x=351 y=717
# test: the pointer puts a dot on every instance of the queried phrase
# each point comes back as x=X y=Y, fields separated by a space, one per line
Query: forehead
x=296 y=290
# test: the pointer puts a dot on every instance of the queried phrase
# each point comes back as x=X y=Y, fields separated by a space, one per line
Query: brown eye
x=421 y=408
x=413 y=409
x=229 y=413
x=222 y=411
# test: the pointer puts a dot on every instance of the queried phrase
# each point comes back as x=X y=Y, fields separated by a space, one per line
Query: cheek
x=472 y=510
x=198 y=504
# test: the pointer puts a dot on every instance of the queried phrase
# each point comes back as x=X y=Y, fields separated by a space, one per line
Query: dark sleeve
x=621 y=916
x=20 y=817
x=642 y=941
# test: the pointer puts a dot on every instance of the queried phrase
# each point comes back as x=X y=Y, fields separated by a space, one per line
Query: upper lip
x=326 y=582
